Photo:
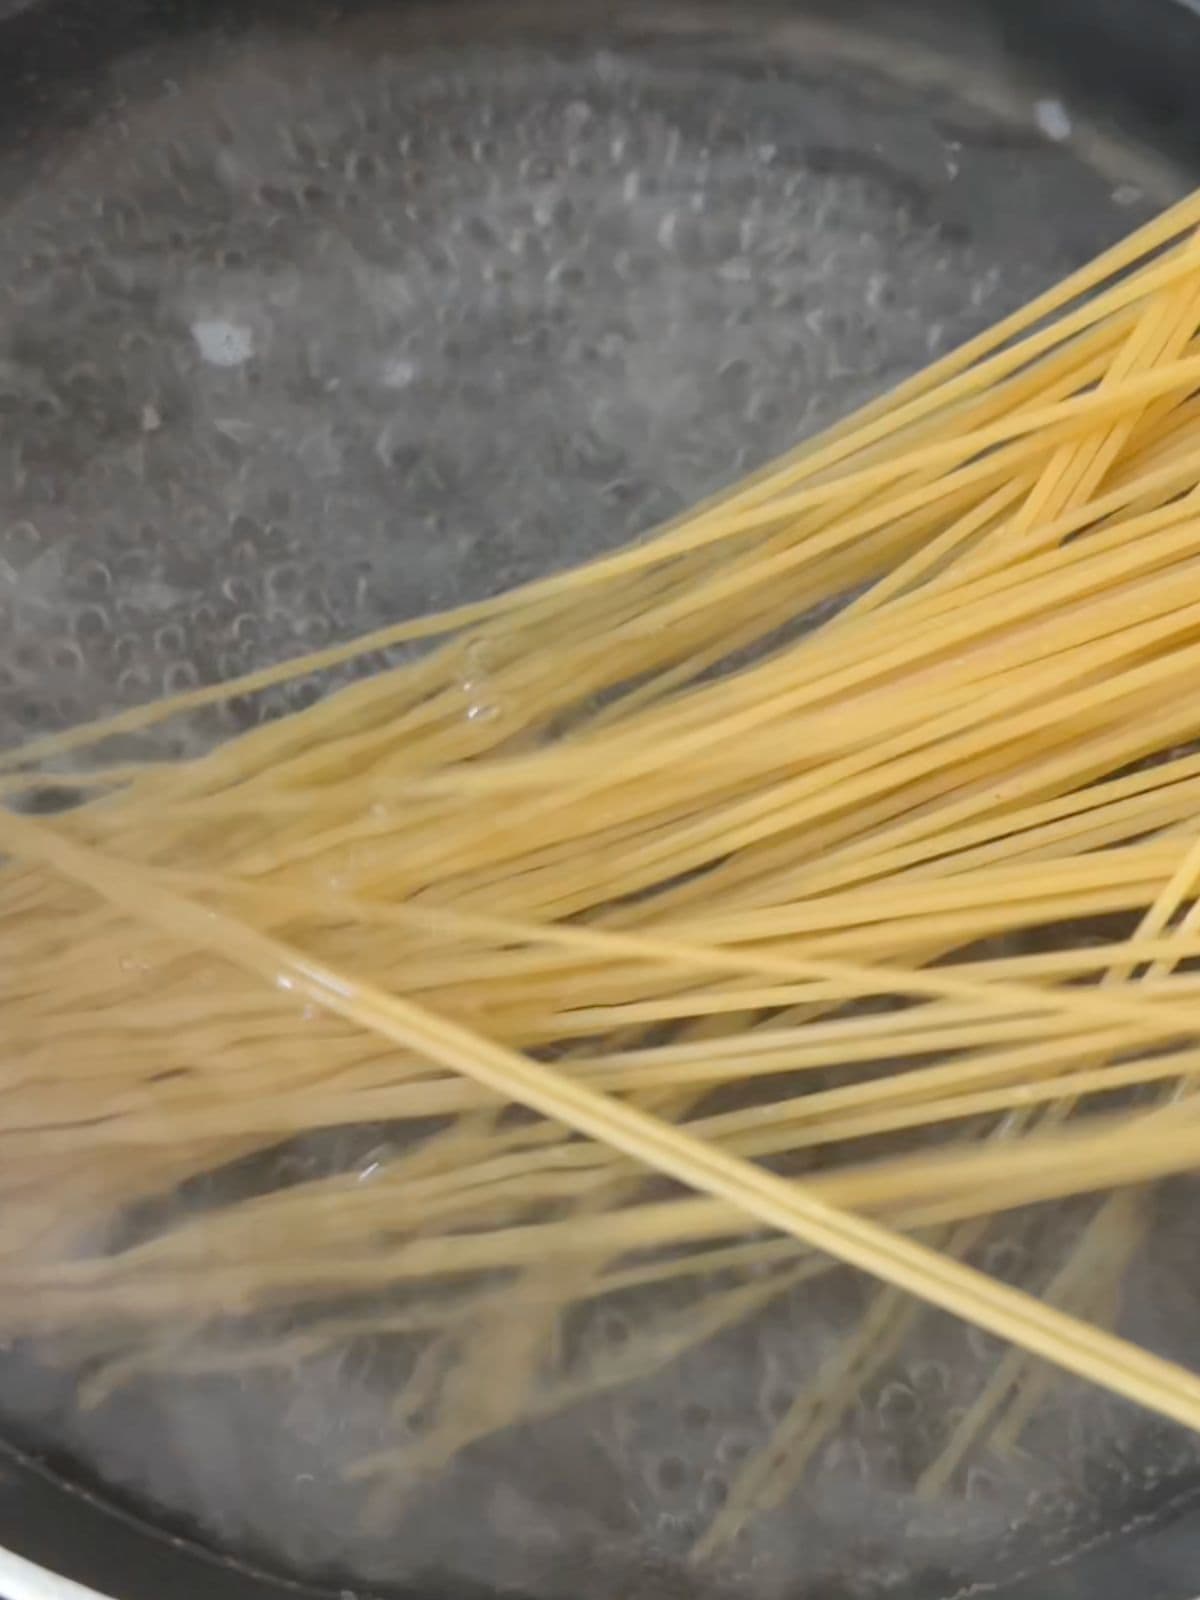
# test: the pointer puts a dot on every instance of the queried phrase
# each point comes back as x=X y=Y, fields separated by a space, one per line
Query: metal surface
x=313 y=318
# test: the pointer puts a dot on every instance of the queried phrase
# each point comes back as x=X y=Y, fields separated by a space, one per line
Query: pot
x=317 y=314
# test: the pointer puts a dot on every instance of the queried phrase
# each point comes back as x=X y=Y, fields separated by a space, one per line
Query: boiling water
x=311 y=333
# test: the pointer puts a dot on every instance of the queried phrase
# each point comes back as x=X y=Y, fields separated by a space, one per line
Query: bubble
x=733 y=1448
x=23 y=537
x=930 y=1377
x=67 y=657
x=299 y=696
x=481 y=655
x=1004 y=1259
x=482 y=711
x=132 y=565
x=283 y=581
x=896 y=1400
x=375 y=1161
x=479 y=658
x=179 y=677
x=169 y=640
x=94 y=578
x=223 y=343
x=134 y=682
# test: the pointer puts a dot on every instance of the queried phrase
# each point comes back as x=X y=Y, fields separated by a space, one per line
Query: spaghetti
x=825 y=865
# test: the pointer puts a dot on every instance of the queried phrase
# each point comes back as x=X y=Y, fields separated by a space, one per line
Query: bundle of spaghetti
x=804 y=885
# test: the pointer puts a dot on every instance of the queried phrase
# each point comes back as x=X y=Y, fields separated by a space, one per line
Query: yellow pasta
x=803 y=885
